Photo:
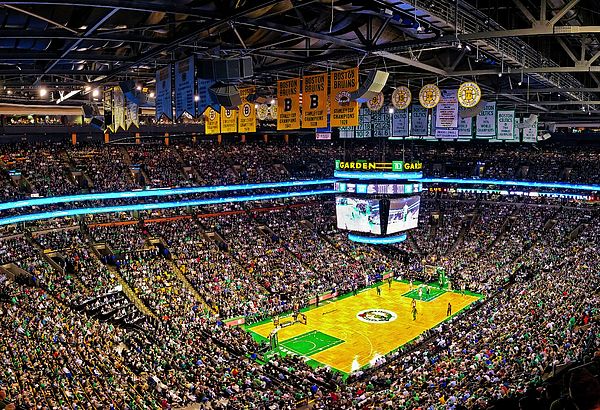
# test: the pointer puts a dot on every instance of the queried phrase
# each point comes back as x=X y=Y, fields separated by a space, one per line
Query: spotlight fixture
x=43 y=92
x=196 y=98
x=152 y=94
x=88 y=88
x=500 y=74
x=96 y=92
x=139 y=88
x=273 y=101
x=391 y=110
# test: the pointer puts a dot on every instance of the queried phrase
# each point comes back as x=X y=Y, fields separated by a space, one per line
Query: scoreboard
x=377 y=202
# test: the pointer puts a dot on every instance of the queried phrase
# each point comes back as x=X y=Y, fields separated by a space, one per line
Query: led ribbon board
x=157 y=192
x=374 y=240
x=532 y=184
x=162 y=205
x=378 y=175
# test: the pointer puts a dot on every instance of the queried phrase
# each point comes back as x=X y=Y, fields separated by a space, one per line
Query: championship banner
x=228 y=120
x=212 y=122
x=381 y=125
x=465 y=126
x=288 y=104
x=506 y=125
x=447 y=110
x=516 y=132
x=184 y=87
x=205 y=97
x=314 y=101
x=118 y=109
x=530 y=133
x=344 y=111
x=132 y=115
x=486 y=121
x=363 y=129
x=432 y=123
x=400 y=123
x=163 y=100
x=418 y=123
x=247 y=112
x=107 y=105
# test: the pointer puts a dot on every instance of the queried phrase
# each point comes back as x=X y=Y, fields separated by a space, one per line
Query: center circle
x=376 y=316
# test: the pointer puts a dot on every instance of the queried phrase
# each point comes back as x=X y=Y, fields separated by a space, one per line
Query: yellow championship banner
x=228 y=120
x=288 y=104
x=344 y=111
x=212 y=122
x=314 y=101
x=247 y=112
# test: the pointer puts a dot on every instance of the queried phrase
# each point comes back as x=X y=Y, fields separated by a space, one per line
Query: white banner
x=184 y=87
x=516 y=132
x=400 y=123
x=506 y=125
x=486 y=121
x=418 y=120
x=164 y=100
x=447 y=110
x=530 y=133
x=465 y=126
x=446 y=133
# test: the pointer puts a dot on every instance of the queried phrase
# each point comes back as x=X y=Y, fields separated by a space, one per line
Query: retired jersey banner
x=363 y=129
x=163 y=100
x=344 y=111
x=486 y=121
x=347 y=132
x=314 y=101
x=400 y=123
x=205 y=97
x=228 y=120
x=247 y=112
x=419 y=121
x=184 y=87
x=447 y=110
x=506 y=125
x=212 y=122
x=381 y=124
x=288 y=104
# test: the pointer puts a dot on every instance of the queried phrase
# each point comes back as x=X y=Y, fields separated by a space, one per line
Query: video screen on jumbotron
x=404 y=214
x=360 y=215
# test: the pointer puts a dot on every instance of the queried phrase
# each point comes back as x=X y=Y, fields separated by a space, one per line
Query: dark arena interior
x=300 y=204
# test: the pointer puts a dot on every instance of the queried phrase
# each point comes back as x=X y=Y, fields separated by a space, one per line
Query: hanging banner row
x=442 y=123
x=291 y=112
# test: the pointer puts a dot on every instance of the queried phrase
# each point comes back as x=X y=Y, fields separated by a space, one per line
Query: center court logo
x=376 y=316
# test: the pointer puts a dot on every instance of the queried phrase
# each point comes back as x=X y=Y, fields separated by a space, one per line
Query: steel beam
x=411 y=62
x=541 y=30
x=88 y=32
x=39 y=17
x=550 y=91
x=530 y=70
x=561 y=13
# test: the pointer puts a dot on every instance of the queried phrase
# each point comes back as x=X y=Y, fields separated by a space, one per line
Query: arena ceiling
x=538 y=56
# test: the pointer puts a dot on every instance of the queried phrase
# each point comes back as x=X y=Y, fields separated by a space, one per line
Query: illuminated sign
x=394 y=166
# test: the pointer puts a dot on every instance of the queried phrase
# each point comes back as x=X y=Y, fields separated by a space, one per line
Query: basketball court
x=353 y=331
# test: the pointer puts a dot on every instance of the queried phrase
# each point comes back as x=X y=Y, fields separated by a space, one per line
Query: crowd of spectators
x=535 y=262
x=59 y=169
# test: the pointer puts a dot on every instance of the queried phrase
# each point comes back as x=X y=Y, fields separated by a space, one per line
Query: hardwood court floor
x=387 y=326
